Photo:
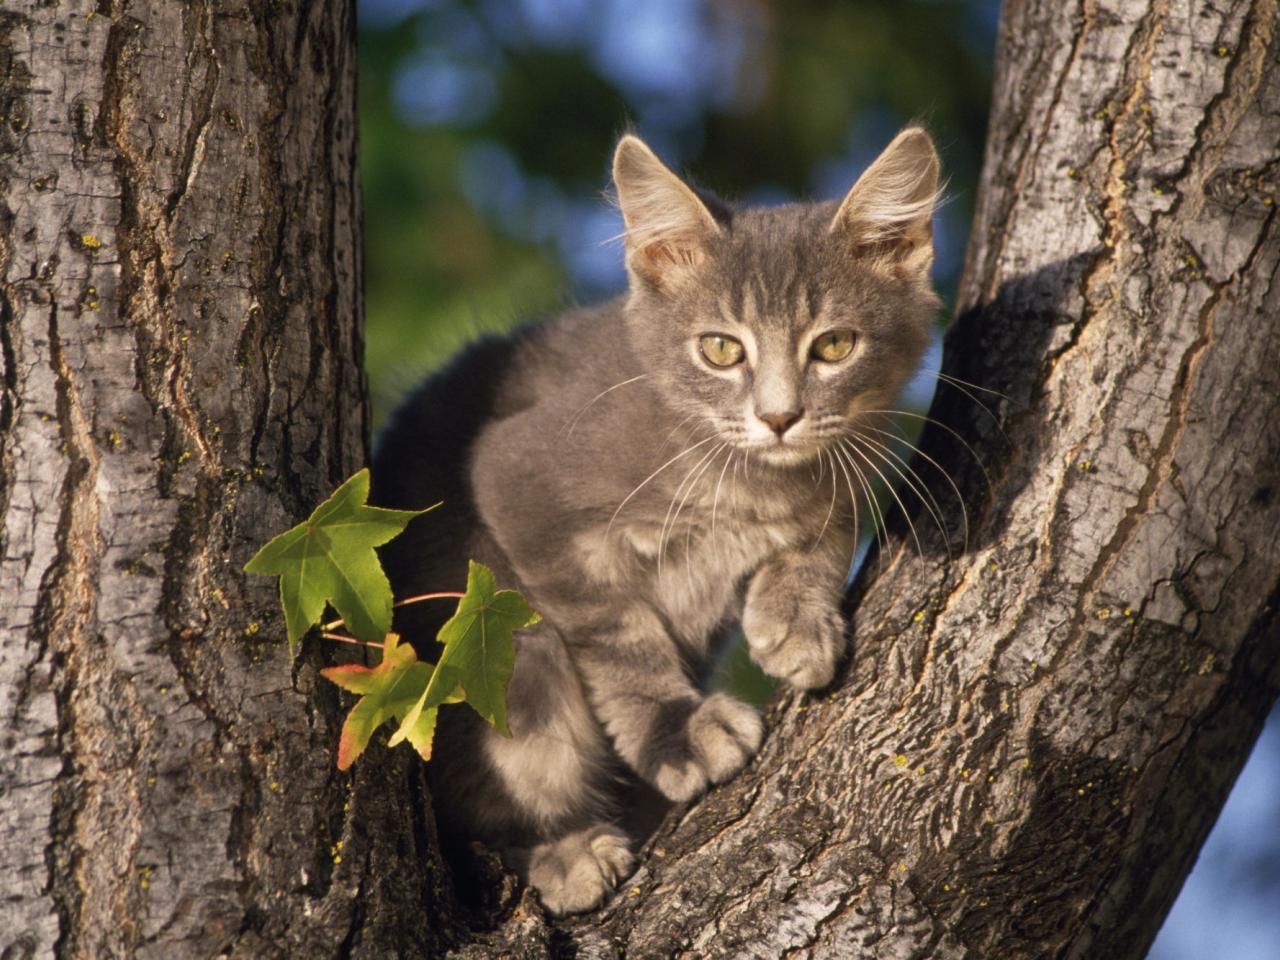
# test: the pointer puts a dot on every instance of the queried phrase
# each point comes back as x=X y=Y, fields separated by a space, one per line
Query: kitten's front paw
x=576 y=872
x=796 y=639
x=718 y=737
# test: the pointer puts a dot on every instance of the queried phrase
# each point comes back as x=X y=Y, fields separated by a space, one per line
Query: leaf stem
x=345 y=639
x=334 y=624
x=428 y=596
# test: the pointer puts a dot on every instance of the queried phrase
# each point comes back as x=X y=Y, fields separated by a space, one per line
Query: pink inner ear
x=897 y=252
x=659 y=257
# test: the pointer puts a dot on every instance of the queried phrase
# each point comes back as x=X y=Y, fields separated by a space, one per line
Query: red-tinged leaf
x=361 y=679
x=390 y=691
x=358 y=728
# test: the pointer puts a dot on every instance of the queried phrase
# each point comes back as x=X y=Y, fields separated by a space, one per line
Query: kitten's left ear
x=888 y=215
x=668 y=225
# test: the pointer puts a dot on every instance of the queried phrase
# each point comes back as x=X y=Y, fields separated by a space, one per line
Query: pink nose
x=779 y=423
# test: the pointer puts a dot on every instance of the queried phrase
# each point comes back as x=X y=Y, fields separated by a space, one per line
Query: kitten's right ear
x=667 y=224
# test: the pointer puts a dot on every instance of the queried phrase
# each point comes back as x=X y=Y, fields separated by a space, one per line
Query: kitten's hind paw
x=577 y=871
x=720 y=736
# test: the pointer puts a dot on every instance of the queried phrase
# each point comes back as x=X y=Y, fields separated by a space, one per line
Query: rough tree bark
x=1034 y=734
x=179 y=254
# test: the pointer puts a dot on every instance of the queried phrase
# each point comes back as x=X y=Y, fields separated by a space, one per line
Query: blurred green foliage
x=487 y=125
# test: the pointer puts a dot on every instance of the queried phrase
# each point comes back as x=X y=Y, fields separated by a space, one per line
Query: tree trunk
x=181 y=377
x=1040 y=720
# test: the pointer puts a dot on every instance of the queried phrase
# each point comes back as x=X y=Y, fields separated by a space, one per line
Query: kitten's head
x=781 y=325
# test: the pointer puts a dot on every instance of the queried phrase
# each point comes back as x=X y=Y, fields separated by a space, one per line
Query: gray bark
x=1039 y=722
x=181 y=341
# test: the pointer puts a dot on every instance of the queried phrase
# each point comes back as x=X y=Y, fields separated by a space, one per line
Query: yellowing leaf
x=330 y=558
x=391 y=689
x=422 y=731
x=479 y=654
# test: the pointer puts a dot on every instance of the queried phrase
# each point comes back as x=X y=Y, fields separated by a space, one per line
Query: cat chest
x=639 y=548
x=690 y=569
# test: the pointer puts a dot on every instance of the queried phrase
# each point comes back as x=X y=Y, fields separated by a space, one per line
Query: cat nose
x=779 y=423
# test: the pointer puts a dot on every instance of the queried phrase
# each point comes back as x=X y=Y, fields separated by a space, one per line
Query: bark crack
x=1031 y=157
x=188 y=166
x=64 y=626
x=1162 y=466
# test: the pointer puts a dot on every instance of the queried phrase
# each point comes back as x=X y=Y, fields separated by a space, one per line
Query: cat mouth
x=784 y=452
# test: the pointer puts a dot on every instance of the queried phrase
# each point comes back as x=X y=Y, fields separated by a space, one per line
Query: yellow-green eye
x=833 y=346
x=719 y=350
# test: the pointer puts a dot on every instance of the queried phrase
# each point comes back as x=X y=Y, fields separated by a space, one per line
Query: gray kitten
x=647 y=472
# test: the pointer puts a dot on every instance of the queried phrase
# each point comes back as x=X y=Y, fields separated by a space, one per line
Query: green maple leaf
x=330 y=558
x=479 y=654
x=391 y=689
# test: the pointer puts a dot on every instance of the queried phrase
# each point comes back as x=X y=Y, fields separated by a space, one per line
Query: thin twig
x=334 y=624
x=428 y=596
x=345 y=639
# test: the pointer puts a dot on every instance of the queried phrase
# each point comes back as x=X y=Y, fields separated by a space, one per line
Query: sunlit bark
x=1039 y=723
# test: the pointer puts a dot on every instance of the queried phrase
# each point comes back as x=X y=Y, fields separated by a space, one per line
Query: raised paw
x=577 y=871
x=714 y=741
x=796 y=638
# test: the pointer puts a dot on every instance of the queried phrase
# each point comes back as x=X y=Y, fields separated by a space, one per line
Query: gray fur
x=548 y=448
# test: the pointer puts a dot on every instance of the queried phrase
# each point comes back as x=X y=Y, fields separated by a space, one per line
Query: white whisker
x=673 y=432
x=572 y=425
x=908 y=476
x=831 y=509
x=960 y=439
x=688 y=534
x=868 y=491
x=962 y=386
x=853 y=448
x=736 y=464
x=683 y=453
x=968 y=383
x=668 y=525
x=964 y=513
x=838 y=458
